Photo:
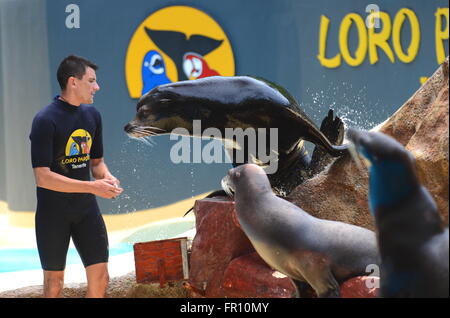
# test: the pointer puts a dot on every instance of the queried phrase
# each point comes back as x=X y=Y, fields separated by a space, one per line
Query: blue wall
x=275 y=39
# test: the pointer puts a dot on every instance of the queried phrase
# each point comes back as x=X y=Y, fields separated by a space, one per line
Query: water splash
x=147 y=140
x=127 y=169
x=351 y=105
x=193 y=181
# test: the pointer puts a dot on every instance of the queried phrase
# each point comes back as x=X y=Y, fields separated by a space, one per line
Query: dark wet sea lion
x=307 y=249
x=412 y=240
x=239 y=102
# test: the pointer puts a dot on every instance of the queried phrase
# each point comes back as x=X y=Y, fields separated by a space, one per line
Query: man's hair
x=73 y=66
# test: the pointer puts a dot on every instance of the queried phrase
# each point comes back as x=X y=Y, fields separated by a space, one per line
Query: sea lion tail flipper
x=333 y=129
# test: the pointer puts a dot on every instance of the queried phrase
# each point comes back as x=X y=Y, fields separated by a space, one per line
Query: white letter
x=374 y=270
x=73 y=19
x=240 y=134
x=373 y=19
x=272 y=157
x=184 y=144
x=197 y=141
x=214 y=145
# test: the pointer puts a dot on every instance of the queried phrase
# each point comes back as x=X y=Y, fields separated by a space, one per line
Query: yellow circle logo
x=173 y=44
x=79 y=143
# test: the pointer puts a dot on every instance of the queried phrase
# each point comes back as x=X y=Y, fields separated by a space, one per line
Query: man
x=66 y=145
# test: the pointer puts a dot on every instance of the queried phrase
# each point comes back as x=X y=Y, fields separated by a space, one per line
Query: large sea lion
x=412 y=240
x=307 y=249
x=242 y=102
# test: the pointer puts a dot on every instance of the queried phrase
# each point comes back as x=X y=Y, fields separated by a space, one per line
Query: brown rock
x=250 y=276
x=422 y=126
x=340 y=192
x=360 y=287
x=218 y=240
x=432 y=156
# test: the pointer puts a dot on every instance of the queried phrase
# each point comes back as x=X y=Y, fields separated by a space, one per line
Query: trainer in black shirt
x=66 y=146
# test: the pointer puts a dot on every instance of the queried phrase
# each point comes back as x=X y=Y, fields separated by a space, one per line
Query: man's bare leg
x=98 y=279
x=53 y=283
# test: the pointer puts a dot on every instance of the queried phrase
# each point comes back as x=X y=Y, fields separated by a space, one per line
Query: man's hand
x=101 y=172
x=111 y=178
x=106 y=188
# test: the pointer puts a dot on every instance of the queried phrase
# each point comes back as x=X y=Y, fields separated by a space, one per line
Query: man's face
x=87 y=86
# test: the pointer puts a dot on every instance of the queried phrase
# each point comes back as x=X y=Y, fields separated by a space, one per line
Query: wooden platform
x=161 y=261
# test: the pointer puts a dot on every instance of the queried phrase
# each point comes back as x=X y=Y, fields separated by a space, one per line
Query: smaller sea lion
x=412 y=240
x=322 y=253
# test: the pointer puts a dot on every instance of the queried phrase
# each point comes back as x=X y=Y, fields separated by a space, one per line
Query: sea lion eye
x=144 y=111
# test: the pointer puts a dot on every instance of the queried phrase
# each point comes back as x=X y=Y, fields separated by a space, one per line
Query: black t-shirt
x=65 y=137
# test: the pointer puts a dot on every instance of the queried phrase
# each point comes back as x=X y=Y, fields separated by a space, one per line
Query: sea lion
x=307 y=249
x=241 y=102
x=412 y=240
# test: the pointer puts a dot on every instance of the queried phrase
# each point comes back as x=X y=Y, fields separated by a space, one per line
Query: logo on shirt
x=78 y=148
x=79 y=143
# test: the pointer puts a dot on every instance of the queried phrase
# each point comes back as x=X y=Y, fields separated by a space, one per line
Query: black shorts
x=61 y=216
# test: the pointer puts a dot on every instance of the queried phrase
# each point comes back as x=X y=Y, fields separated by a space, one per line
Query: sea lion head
x=392 y=168
x=377 y=147
x=158 y=112
x=247 y=177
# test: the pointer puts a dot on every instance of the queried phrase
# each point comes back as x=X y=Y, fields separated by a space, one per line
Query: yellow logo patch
x=173 y=44
x=79 y=143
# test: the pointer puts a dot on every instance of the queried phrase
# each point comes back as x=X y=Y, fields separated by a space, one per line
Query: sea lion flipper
x=303 y=290
x=324 y=282
x=333 y=129
x=216 y=193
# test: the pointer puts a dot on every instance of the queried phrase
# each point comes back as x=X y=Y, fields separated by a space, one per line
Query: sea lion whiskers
x=226 y=186
x=143 y=133
x=151 y=127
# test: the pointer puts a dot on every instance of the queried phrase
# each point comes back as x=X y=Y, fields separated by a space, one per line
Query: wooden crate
x=161 y=261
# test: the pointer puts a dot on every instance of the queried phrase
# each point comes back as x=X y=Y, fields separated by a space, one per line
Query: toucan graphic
x=82 y=142
x=195 y=66
x=176 y=45
x=153 y=71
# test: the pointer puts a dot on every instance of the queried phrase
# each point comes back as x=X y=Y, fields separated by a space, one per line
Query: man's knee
x=98 y=280
x=53 y=283
x=104 y=277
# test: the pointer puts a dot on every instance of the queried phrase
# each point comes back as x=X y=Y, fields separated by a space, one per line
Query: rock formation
x=340 y=192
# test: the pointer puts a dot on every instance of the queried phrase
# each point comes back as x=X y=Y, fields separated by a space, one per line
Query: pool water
x=19 y=259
